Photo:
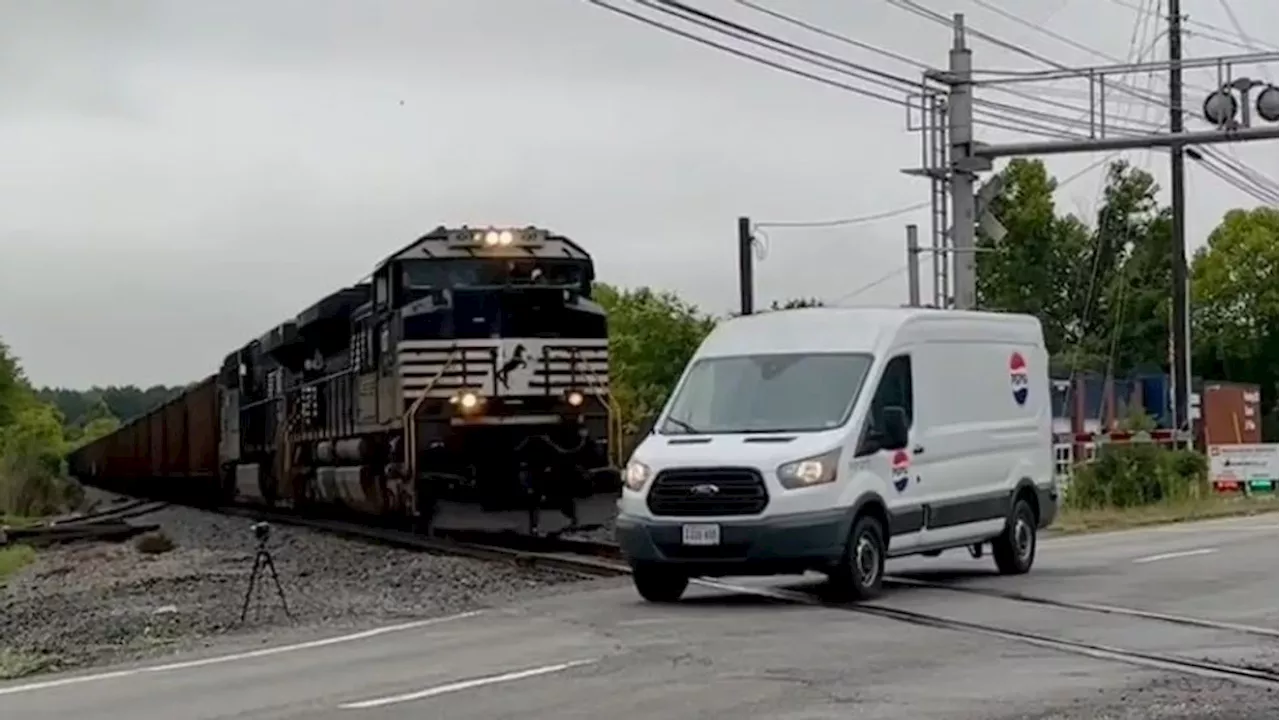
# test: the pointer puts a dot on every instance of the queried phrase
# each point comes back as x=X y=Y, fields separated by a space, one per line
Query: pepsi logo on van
x=1018 y=378
x=901 y=466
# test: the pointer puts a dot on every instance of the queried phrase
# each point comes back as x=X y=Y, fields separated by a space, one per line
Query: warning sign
x=1245 y=467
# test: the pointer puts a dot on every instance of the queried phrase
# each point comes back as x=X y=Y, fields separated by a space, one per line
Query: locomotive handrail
x=410 y=415
x=613 y=414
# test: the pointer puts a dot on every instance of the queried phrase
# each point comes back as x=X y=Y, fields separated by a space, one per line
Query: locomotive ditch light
x=467 y=401
x=574 y=398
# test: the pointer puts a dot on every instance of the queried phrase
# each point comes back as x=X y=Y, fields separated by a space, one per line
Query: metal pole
x=913 y=266
x=1180 y=373
x=746 y=279
x=1128 y=142
x=960 y=113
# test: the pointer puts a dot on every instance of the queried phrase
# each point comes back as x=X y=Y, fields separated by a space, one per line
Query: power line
x=1195 y=23
x=748 y=56
x=989 y=119
x=711 y=20
x=844 y=221
x=834 y=36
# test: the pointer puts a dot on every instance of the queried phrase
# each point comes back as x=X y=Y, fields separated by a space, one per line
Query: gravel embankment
x=97 y=603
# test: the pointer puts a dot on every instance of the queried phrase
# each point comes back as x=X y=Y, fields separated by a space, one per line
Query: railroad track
x=597 y=559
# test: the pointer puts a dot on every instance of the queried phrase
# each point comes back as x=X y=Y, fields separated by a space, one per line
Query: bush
x=1123 y=476
x=28 y=489
x=153 y=543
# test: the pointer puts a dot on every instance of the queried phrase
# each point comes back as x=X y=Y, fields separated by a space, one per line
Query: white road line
x=464 y=685
x=264 y=652
x=1172 y=555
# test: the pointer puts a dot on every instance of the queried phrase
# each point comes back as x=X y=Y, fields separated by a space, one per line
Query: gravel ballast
x=95 y=603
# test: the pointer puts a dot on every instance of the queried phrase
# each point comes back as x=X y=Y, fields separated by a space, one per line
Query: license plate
x=701 y=534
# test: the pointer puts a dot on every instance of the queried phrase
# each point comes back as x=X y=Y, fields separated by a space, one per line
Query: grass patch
x=17 y=520
x=1078 y=520
x=13 y=558
x=15 y=664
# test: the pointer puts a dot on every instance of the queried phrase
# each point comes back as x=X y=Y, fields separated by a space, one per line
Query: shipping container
x=1230 y=414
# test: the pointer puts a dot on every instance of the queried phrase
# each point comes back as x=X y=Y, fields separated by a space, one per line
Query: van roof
x=855 y=329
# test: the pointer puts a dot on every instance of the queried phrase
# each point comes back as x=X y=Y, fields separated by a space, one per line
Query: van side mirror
x=894 y=428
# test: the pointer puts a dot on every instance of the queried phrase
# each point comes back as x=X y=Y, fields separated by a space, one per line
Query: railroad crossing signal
x=987 y=220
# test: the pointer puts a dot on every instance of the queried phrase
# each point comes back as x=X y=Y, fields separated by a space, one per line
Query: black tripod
x=260 y=561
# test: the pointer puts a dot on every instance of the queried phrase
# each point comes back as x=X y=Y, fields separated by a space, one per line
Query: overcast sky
x=178 y=176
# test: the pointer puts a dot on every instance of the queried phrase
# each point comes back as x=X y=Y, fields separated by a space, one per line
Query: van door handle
x=917 y=450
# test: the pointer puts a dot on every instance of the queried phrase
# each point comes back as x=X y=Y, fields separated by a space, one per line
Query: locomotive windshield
x=495 y=273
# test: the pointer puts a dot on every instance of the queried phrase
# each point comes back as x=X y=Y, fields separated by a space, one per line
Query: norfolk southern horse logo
x=516 y=362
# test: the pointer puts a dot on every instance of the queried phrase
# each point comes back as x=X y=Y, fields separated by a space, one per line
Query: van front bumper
x=783 y=545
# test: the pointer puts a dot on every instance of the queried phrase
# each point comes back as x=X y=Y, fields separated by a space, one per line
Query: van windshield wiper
x=685 y=426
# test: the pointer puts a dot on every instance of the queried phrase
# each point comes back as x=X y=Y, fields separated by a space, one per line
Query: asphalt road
x=724 y=654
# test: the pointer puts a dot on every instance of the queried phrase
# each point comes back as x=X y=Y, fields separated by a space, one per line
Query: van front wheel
x=859 y=576
x=658 y=584
x=1015 y=549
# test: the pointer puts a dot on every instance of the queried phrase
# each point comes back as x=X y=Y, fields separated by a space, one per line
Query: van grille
x=706 y=492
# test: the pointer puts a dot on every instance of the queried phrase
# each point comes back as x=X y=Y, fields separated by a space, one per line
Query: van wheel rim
x=1023 y=540
x=866 y=561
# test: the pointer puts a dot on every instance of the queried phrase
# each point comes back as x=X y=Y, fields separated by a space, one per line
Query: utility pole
x=1180 y=372
x=746 y=272
x=913 y=266
x=960 y=130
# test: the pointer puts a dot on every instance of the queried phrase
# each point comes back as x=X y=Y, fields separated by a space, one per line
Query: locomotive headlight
x=492 y=238
x=574 y=398
x=636 y=475
x=506 y=237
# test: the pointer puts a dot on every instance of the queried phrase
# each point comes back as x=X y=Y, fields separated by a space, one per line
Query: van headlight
x=810 y=471
x=636 y=475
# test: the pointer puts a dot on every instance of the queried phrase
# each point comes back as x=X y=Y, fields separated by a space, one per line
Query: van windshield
x=767 y=393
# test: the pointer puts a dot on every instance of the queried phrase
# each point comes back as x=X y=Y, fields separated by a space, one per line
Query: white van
x=830 y=439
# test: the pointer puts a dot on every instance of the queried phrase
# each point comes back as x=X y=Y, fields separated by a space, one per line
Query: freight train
x=463 y=386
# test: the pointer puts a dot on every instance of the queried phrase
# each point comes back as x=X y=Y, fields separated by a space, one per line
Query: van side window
x=894 y=389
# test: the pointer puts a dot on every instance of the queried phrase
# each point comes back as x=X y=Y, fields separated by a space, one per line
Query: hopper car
x=463 y=386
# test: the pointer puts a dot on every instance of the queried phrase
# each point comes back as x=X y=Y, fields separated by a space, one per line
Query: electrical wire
x=828 y=62
x=844 y=221
x=1248 y=41
x=781 y=67
x=1211 y=28
x=873 y=284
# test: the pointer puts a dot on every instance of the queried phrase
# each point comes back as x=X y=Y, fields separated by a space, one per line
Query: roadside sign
x=1251 y=468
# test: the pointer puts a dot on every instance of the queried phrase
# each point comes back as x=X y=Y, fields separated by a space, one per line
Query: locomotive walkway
x=603 y=653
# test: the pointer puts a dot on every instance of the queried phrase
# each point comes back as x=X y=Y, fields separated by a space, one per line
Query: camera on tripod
x=262 y=531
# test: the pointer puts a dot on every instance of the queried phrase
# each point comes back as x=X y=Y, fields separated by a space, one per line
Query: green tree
x=32 y=481
x=652 y=335
x=1234 y=301
x=1101 y=293
x=1127 y=327
x=1033 y=268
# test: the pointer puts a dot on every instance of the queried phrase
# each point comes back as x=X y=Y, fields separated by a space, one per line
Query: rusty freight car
x=172 y=450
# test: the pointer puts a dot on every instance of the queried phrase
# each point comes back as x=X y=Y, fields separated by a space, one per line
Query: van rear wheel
x=1015 y=549
x=658 y=584
x=860 y=574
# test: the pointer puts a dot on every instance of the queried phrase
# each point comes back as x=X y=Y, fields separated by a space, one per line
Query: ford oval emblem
x=704 y=490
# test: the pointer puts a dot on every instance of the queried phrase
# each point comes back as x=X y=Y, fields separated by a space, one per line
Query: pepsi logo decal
x=899 y=467
x=1018 y=380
